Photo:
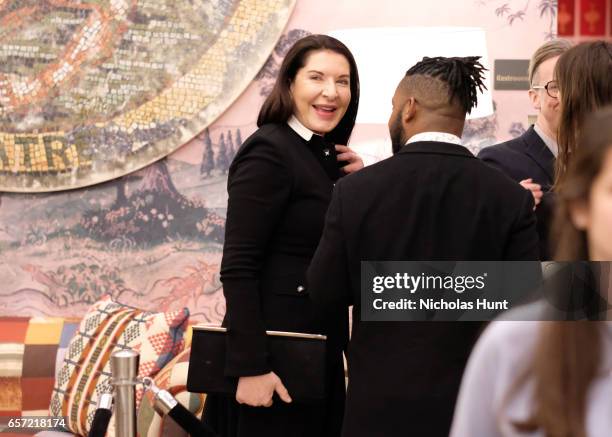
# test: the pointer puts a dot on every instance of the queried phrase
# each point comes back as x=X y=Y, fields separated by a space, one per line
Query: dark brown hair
x=567 y=354
x=279 y=106
x=594 y=142
x=583 y=76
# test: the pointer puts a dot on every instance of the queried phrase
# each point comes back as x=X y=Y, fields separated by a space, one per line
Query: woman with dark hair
x=582 y=75
x=554 y=378
x=279 y=185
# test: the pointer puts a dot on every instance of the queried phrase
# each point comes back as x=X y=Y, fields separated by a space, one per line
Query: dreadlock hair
x=464 y=77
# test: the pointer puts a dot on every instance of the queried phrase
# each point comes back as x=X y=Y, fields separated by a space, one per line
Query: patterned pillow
x=173 y=378
x=109 y=326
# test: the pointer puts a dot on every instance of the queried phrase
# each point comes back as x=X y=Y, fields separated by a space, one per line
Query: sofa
x=32 y=352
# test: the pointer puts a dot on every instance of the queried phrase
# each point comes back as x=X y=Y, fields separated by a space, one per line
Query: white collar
x=299 y=128
x=440 y=137
x=550 y=142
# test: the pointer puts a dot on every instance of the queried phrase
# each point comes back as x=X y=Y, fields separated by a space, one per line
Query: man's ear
x=409 y=110
x=579 y=213
x=534 y=96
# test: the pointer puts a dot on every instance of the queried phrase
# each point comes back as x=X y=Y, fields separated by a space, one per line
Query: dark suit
x=522 y=158
x=527 y=157
x=279 y=188
x=431 y=201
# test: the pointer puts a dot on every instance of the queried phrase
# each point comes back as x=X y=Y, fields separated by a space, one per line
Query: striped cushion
x=109 y=326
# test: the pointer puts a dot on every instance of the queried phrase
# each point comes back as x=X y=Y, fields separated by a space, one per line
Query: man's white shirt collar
x=299 y=128
x=550 y=142
x=439 y=137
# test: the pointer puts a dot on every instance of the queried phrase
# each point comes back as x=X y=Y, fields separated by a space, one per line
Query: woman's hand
x=354 y=161
x=536 y=190
x=257 y=391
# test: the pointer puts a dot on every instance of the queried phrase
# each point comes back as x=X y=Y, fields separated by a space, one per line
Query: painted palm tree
x=549 y=7
x=518 y=15
x=513 y=14
x=502 y=10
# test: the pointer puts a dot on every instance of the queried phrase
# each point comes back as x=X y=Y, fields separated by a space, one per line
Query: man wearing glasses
x=530 y=158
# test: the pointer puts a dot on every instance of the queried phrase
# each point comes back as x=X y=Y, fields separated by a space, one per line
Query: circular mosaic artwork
x=93 y=89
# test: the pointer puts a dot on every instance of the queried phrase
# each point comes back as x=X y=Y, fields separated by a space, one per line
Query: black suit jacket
x=528 y=157
x=278 y=196
x=431 y=201
x=523 y=157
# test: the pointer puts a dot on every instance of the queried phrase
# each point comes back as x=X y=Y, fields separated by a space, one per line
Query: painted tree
x=156 y=178
x=238 y=139
x=222 y=161
x=506 y=11
x=549 y=7
x=121 y=184
x=231 y=149
x=208 y=159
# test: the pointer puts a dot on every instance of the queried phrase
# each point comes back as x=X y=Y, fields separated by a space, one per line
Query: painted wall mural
x=515 y=11
x=90 y=91
x=153 y=238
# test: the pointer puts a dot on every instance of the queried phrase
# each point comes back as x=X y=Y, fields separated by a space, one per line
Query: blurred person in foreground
x=554 y=378
x=584 y=77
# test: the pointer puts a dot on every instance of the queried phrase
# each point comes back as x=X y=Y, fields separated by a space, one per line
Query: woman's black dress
x=279 y=187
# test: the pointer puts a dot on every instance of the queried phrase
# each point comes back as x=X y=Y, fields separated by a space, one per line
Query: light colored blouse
x=500 y=355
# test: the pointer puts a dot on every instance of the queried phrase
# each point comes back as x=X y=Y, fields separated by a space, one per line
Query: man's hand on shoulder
x=535 y=189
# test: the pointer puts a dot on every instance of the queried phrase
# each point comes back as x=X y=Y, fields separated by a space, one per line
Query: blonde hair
x=548 y=50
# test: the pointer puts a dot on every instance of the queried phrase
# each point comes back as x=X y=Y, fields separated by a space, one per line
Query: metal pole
x=124 y=367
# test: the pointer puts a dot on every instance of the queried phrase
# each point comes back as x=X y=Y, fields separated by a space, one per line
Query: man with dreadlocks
x=432 y=200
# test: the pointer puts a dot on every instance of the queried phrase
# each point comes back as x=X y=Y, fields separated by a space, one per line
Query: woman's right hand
x=257 y=391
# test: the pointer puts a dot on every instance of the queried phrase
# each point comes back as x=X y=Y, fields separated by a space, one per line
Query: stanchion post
x=124 y=367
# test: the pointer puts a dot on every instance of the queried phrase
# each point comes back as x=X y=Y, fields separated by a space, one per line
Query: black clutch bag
x=298 y=359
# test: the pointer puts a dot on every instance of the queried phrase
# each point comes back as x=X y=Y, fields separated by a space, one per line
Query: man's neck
x=549 y=140
x=545 y=128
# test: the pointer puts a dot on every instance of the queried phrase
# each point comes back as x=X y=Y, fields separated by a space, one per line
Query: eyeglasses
x=552 y=89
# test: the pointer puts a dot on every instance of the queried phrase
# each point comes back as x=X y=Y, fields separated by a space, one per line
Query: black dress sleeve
x=259 y=187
